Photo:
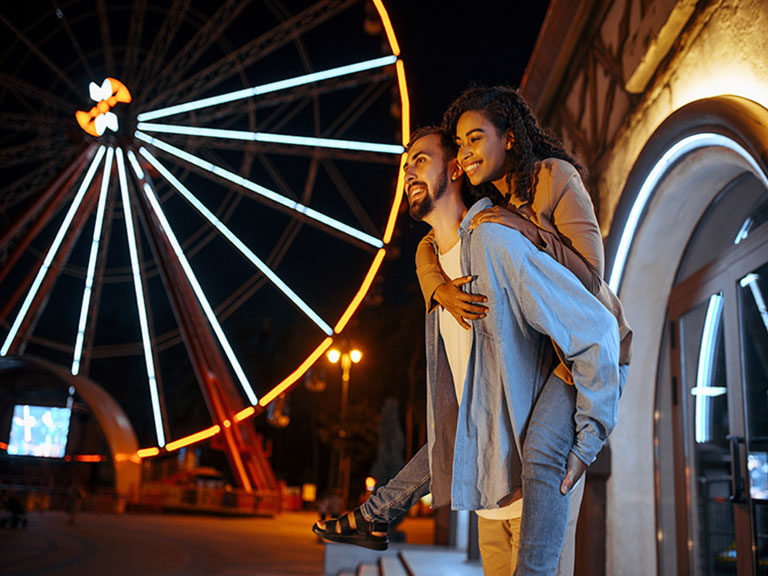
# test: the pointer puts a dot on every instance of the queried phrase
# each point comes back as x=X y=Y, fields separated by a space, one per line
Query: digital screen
x=39 y=431
x=757 y=464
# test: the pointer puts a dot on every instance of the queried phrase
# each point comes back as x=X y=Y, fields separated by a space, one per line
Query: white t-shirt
x=457 y=342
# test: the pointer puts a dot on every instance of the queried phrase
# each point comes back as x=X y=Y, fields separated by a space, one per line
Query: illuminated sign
x=100 y=117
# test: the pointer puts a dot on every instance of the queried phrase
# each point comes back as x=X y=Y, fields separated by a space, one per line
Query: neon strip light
x=88 y=458
x=683 y=147
x=92 y=262
x=751 y=281
x=200 y=294
x=387 y=27
x=260 y=190
x=149 y=360
x=147 y=452
x=271 y=138
x=405 y=105
x=135 y=165
x=245 y=413
x=296 y=374
x=360 y=293
x=267 y=88
x=399 y=190
x=237 y=243
x=52 y=251
x=191 y=439
x=705 y=368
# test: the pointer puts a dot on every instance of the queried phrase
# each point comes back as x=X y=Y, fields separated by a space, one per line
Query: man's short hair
x=446 y=142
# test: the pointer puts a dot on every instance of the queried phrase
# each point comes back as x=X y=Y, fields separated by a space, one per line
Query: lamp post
x=347 y=357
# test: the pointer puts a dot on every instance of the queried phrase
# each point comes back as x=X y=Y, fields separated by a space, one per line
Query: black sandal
x=360 y=536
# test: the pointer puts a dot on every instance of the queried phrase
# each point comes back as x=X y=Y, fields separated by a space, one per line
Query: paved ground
x=149 y=545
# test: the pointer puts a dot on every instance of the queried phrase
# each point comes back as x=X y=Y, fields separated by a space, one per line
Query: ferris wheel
x=170 y=171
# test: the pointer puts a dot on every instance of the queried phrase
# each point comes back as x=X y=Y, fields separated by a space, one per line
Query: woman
x=537 y=188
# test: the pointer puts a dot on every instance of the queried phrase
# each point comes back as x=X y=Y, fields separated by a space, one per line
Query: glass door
x=718 y=334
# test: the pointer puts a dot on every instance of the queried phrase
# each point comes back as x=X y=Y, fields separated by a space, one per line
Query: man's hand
x=460 y=304
x=574 y=470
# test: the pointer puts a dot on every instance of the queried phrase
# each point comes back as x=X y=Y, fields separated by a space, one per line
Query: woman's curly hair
x=506 y=109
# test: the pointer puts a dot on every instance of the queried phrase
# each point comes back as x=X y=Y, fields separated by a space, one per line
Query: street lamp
x=347 y=358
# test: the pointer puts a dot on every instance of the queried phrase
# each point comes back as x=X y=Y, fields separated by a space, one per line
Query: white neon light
x=261 y=190
x=272 y=138
x=267 y=88
x=140 y=303
x=683 y=147
x=705 y=369
x=237 y=243
x=751 y=281
x=200 y=295
x=135 y=164
x=92 y=262
x=55 y=245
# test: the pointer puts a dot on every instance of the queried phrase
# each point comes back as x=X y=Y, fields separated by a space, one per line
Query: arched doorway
x=682 y=209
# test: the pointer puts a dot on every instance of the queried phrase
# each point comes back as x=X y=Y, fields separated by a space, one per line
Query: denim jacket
x=475 y=449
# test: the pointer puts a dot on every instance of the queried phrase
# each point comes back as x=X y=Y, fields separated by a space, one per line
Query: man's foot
x=353 y=528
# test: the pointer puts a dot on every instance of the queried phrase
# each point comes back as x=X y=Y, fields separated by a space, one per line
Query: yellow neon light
x=192 y=438
x=387 y=27
x=390 y=229
x=88 y=458
x=147 y=452
x=405 y=103
x=360 y=293
x=298 y=373
x=245 y=413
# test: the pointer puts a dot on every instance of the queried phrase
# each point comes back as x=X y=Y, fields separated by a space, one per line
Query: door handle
x=737 y=481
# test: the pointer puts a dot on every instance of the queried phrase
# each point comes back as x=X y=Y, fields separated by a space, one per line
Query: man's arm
x=553 y=302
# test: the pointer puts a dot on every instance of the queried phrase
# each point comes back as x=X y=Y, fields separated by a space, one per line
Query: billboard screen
x=39 y=431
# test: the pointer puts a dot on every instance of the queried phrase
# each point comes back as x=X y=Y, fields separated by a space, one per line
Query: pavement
x=167 y=544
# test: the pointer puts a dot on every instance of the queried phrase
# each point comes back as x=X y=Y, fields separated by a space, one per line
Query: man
x=498 y=419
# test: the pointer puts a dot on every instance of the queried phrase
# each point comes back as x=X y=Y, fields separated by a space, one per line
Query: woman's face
x=482 y=149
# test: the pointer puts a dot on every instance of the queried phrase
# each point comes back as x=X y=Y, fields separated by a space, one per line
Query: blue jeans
x=394 y=499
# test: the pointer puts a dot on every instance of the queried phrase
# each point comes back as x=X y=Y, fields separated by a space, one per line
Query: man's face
x=426 y=175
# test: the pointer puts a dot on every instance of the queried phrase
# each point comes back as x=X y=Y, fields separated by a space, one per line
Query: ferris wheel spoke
x=52 y=252
x=279 y=199
x=282 y=34
x=40 y=55
x=345 y=190
x=160 y=45
x=73 y=40
x=356 y=109
x=106 y=42
x=134 y=37
x=37 y=151
x=270 y=138
x=268 y=88
x=149 y=359
x=26 y=91
x=97 y=228
x=238 y=244
x=197 y=289
x=208 y=34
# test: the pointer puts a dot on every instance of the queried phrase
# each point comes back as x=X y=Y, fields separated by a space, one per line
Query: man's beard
x=421 y=210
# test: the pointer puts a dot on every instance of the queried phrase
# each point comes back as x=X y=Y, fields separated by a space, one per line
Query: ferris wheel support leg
x=41 y=297
x=61 y=184
x=215 y=380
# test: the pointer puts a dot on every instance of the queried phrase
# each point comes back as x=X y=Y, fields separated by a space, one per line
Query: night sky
x=445 y=46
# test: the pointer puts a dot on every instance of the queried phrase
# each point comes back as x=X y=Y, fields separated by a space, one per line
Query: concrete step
x=438 y=562
x=368 y=570
x=392 y=566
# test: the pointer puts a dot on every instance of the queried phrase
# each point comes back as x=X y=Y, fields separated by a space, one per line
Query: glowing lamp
x=333 y=356
x=370 y=483
x=356 y=356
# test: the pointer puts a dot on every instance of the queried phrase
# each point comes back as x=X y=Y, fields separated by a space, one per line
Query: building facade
x=666 y=103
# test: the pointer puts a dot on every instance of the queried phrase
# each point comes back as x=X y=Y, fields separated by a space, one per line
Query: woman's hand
x=460 y=304
x=511 y=219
